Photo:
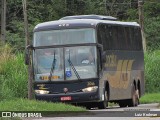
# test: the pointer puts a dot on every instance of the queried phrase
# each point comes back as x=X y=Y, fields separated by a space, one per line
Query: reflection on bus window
x=45 y=59
x=61 y=37
x=83 y=60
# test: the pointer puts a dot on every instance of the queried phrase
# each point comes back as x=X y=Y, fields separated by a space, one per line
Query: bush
x=13 y=77
x=152 y=70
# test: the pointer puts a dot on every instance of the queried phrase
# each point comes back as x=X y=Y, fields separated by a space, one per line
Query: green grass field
x=33 y=105
x=150 y=98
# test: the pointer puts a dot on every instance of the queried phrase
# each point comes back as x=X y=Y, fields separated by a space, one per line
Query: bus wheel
x=104 y=104
x=135 y=98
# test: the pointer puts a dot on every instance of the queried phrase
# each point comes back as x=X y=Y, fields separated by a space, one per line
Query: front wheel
x=104 y=104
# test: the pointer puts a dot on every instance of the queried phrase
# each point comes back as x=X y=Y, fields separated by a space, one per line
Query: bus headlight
x=41 y=91
x=90 y=89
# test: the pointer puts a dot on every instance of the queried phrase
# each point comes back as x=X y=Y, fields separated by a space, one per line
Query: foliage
x=94 y=7
x=152 y=70
x=151 y=23
x=132 y=15
x=38 y=11
x=152 y=33
x=48 y=10
x=13 y=77
x=152 y=8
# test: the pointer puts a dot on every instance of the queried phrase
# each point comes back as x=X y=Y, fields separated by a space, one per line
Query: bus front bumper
x=79 y=97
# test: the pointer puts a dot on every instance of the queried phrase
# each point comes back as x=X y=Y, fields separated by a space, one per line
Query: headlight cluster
x=41 y=91
x=90 y=89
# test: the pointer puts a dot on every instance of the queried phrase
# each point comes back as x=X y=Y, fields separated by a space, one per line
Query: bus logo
x=6 y=114
x=65 y=90
x=111 y=61
x=122 y=76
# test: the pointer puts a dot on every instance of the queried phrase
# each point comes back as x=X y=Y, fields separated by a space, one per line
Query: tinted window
x=138 y=39
x=120 y=37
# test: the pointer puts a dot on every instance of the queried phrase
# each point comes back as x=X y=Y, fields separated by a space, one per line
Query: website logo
x=6 y=114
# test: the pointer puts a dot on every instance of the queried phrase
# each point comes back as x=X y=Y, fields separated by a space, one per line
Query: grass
x=13 y=74
x=33 y=105
x=150 y=98
x=13 y=118
x=152 y=71
x=42 y=107
x=13 y=78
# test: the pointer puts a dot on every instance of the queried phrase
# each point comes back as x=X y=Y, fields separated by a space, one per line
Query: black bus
x=88 y=59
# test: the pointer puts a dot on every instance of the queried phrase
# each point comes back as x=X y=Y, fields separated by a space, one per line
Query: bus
x=89 y=60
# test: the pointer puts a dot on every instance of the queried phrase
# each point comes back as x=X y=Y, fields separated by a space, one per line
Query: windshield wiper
x=72 y=66
x=52 y=67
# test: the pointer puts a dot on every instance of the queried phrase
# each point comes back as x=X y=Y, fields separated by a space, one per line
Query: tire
x=135 y=98
x=104 y=104
x=88 y=107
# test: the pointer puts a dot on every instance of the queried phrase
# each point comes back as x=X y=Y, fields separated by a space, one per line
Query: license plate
x=65 y=98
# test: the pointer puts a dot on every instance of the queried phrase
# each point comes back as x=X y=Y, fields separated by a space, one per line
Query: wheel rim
x=106 y=99
x=135 y=97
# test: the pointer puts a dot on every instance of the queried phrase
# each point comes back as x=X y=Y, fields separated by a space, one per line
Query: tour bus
x=89 y=60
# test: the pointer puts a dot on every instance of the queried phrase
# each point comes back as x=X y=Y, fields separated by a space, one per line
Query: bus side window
x=105 y=37
x=121 y=39
x=138 y=38
x=108 y=36
x=115 y=37
x=131 y=40
x=126 y=45
x=100 y=35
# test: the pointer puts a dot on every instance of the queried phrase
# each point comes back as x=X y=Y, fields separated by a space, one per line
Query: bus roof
x=78 y=23
x=98 y=17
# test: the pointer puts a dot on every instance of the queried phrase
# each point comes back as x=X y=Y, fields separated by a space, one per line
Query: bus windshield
x=81 y=59
x=62 y=37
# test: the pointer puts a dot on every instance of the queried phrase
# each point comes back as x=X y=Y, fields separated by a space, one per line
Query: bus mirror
x=27 y=54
